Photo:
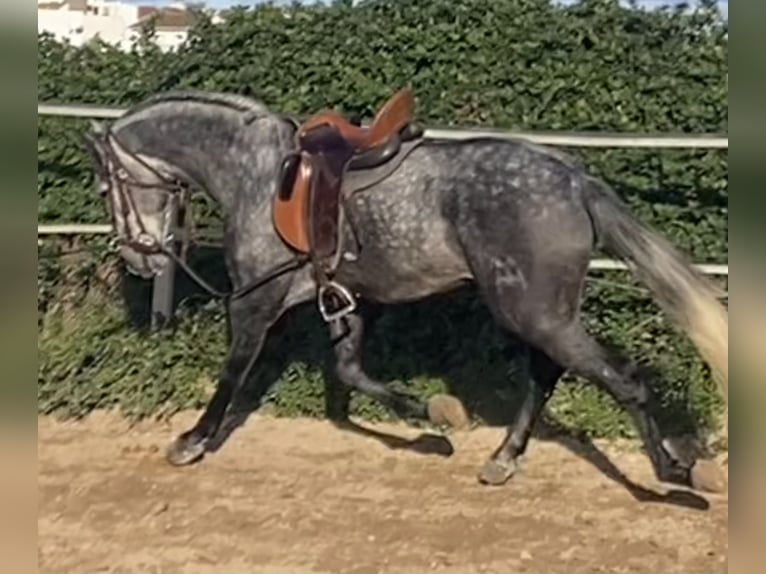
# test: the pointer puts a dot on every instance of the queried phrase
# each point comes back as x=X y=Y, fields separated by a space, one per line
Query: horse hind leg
x=579 y=352
x=553 y=325
x=541 y=376
x=529 y=279
x=539 y=301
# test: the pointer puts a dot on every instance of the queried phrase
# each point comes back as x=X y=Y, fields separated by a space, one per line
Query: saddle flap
x=290 y=209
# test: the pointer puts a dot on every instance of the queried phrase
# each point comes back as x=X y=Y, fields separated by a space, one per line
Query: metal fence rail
x=74 y=229
x=163 y=285
x=661 y=141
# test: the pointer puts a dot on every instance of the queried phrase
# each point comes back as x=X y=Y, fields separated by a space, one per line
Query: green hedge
x=518 y=64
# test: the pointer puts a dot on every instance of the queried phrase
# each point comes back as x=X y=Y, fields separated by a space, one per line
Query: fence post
x=162 y=297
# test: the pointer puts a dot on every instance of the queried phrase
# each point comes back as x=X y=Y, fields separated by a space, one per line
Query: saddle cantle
x=307 y=206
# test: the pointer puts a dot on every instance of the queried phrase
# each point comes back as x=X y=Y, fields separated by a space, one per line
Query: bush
x=517 y=64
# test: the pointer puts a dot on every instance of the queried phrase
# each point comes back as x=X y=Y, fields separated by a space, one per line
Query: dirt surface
x=302 y=496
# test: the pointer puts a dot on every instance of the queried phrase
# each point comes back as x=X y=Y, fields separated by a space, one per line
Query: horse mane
x=235 y=102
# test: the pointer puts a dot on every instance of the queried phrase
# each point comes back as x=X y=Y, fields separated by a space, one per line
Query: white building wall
x=170 y=39
x=109 y=20
x=62 y=23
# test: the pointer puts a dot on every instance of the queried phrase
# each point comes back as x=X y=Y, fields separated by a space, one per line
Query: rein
x=147 y=244
x=290 y=265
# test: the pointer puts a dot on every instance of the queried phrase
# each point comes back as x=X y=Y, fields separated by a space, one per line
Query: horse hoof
x=708 y=477
x=183 y=451
x=447 y=410
x=496 y=473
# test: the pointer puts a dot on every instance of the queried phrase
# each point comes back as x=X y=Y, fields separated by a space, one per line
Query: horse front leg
x=250 y=319
x=337 y=400
x=347 y=335
x=338 y=394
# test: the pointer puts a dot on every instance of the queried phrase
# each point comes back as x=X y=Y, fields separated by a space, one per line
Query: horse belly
x=399 y=268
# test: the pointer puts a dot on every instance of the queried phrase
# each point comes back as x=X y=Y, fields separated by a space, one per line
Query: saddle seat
x=389 y=120
x=306 y=208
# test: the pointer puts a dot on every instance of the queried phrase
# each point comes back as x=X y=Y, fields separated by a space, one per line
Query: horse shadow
x=447 y=341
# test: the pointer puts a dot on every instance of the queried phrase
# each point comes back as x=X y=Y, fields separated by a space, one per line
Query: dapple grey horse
x=518 y=220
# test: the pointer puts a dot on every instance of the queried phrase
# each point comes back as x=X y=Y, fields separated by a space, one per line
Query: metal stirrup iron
x=328 y=308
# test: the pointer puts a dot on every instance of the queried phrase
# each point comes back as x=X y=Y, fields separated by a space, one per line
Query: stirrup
x=348 y=302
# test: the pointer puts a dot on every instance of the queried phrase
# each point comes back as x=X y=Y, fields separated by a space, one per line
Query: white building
x=114 y=22
x=171 y=24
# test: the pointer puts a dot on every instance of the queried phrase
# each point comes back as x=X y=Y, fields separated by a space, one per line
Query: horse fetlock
x=675 y=474
x=672 y=466
x=683 y=450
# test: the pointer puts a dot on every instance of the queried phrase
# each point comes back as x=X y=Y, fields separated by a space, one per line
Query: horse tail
x=686 y=295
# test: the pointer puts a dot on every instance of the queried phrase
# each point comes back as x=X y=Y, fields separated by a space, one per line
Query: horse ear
x=97 y=127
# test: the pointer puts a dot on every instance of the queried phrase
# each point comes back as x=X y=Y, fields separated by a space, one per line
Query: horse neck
x=221 y=155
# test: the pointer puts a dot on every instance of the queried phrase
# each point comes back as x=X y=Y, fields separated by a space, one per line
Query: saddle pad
x=358 y=180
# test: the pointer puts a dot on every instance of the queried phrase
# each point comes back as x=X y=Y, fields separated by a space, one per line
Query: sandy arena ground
x=301 y=496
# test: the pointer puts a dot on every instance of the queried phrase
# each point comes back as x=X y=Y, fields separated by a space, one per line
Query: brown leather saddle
x=307 y=207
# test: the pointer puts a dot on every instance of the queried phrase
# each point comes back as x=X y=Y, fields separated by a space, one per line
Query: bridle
x=118 y=194
x=120 y=180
